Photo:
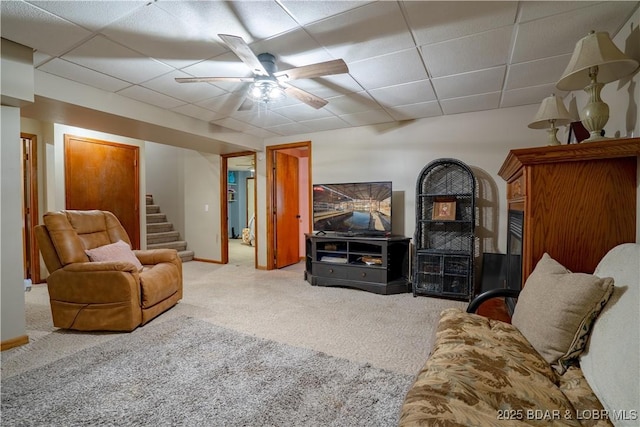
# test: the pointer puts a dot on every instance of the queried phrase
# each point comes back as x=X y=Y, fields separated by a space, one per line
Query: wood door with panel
x=286 y=207
x=103 y=175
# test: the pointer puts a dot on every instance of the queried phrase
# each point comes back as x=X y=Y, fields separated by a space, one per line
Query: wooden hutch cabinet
x=575 y=202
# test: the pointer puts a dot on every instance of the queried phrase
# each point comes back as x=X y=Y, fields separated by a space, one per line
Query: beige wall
x=12 y=321
x=398 y=154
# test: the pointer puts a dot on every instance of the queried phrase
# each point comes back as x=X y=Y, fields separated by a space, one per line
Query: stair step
x=186 y=255
x=156 y=217
x=159 y=227
x=179 y=245
x=163 y=237
x=149 y=199
x=153 y=209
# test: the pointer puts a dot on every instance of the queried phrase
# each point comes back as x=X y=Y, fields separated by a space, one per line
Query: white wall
x=398 y=153
x=202 y=204
x=11 y=255
x=165 y=181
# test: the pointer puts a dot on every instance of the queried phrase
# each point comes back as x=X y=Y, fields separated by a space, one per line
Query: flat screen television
x=357 y=208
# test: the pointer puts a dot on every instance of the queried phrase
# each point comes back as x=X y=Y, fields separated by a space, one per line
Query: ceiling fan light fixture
x=265 y=91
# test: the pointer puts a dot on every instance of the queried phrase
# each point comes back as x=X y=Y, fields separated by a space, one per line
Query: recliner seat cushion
x=158 y=283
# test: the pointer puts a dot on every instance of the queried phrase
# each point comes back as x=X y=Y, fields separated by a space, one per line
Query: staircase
x=160 y=232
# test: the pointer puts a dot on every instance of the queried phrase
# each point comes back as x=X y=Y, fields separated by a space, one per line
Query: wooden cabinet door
x=103 y=175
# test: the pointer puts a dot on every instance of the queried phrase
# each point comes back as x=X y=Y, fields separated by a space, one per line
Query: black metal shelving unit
x=443 y=256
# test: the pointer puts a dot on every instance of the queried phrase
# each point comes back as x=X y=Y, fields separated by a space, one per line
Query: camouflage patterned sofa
x=483 y=372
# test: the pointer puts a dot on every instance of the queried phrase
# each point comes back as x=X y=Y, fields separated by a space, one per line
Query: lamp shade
x=551 y=109
x=595 y=50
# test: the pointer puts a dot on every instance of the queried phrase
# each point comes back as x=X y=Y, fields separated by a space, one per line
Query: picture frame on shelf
x=444 y=210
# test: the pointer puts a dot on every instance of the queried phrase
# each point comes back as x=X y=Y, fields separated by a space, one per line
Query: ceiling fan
x=268 y=84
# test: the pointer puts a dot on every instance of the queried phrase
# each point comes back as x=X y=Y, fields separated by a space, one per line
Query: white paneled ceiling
x=406 y=59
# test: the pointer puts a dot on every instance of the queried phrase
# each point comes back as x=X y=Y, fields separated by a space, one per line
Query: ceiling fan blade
x=304 y=96
x=213 y=79
x=244 y=52
x=337 y=66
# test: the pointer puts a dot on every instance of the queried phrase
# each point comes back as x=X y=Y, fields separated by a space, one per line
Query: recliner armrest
x=493 y=293
x=156 y=256
x=92 y=267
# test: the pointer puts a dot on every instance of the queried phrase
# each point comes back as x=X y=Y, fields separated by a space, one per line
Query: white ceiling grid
x=407 y=59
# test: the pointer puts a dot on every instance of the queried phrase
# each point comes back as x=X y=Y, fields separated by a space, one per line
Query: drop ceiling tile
x=149 y=96
x=486 y=101
x=130 y=66
x=197 y=112
x=267 y=119
x=326 y=123
x=531 y=10
x=231 y=123
x=558 y=34
x=437 y=21
x=54 y=35
x=299 y=112
x=306 y=12
x=260 y=133
x=225 y=65
x=371 y=117
x=354 y=103
x=473 y=83
x=190 y=92
x=39 y=58
x=329 y=86
x=263 y=19
x=92 y=15
x=207 y=18
x=388 y=70
x=529 y=95
x=156 y=33
x=292 y=49
x=477 y=52
x=71 y=71
x=415 y=111
x=371 y=30
x=289 y=129
x=408 y=93
x=538 y=72
x=224 y=104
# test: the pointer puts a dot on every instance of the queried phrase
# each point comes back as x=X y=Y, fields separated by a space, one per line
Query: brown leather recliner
x=105 y=295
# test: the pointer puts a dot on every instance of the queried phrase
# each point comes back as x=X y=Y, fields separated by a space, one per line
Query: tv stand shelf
x=374 y=264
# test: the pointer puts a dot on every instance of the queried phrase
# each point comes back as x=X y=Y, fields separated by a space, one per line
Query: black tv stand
x=378 y=264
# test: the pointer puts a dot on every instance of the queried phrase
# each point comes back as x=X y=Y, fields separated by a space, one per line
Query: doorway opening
x=238 y=204
x=288 y=202
x=31 y=255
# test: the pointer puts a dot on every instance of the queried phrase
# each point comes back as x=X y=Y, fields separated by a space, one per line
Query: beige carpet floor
x=391 y=332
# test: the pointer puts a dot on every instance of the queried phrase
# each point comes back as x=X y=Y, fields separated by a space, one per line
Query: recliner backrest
x=72 y=232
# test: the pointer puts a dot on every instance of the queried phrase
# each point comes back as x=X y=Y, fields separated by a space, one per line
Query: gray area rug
x=188 y=372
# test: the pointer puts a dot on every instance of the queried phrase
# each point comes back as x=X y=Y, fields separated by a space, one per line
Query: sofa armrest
x=156 y=256
x=493 y=293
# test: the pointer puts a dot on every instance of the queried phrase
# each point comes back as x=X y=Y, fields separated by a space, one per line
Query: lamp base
x=596 y=113
x=552 y=136
x=595 y=136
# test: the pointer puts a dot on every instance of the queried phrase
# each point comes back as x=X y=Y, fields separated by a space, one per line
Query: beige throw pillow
x=119 y=251
x=556 y=309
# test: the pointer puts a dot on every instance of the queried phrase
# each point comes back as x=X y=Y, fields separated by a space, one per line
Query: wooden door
x=103 y=175
x=286 y=206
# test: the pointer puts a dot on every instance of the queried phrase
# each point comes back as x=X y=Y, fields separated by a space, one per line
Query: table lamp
x=552 y=112
x=596 y=60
